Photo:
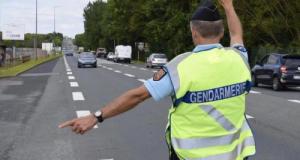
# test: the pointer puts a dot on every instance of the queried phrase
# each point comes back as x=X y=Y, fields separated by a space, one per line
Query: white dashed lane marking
x=109 y=69
x=118 y=71
x=255 y=92
x=129 y=75
x=78 y=96
x=294 y=100
x=74 y=84
x=142 y=80
x=133 y=67
x=83 y=114
x=71 y=77
x=143 y=69
x=249 y=117
x=69 y=73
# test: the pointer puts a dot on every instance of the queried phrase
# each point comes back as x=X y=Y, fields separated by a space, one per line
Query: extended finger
x=67 y=123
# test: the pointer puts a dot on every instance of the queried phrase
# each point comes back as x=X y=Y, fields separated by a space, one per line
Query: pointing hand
x=80 y=125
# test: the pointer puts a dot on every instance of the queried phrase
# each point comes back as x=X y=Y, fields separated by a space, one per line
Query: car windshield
x=87 y=55
x=159 y=56
x=292 y=61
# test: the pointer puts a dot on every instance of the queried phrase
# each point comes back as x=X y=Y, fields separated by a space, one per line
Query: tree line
x=269 y=26
x=28 y=41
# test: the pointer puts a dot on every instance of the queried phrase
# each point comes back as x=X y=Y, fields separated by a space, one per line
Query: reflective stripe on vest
x=218 y=117
x=248 y=142
x=195 y=143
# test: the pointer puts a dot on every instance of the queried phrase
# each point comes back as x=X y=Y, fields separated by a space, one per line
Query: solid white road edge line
x=294 y=100
x=129 y=75
x=74 y=84
x=78 y=96
x=71 y=77
x=83 y=114
x=142 y=80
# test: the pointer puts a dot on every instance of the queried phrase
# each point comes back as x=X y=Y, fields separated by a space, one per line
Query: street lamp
x=54 y=25
x=36 y=25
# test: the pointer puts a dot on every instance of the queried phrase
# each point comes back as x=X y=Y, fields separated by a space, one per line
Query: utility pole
x=36 y=28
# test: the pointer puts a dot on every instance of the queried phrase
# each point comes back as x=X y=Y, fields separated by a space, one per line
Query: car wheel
x=254 y=81
x=78 y=65
x=277 y=86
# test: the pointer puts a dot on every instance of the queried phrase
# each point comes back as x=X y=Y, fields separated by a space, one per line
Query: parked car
x=156 y=60
x=87 y=59
x=110 y=56
x=278 y=70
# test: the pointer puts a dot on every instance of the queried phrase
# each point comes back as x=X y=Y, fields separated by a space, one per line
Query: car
x=278 y=70
x=101 y=53
x=87 y=59
x=156 y=60
x=68 y=53
x=110 y=56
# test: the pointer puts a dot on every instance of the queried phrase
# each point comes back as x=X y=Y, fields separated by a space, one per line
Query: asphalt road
x=34 y=103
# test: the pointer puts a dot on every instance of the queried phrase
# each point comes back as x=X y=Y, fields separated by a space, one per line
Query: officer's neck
x=202 y=41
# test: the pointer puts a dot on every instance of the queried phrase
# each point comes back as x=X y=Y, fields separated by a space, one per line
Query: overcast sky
x=69 y=15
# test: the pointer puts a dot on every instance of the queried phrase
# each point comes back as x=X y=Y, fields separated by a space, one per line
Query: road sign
x=13 y=32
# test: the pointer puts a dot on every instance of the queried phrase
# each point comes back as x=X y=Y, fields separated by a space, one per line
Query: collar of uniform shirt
x=205 y=47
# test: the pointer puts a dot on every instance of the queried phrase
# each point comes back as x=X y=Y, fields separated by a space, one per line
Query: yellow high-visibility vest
x=207 y=120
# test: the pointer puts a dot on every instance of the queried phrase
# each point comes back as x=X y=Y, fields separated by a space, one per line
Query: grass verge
x=137 y=62
x=14 y=71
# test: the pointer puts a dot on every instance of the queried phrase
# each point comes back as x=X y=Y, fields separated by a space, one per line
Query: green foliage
x=164 y=25
x=14 y=71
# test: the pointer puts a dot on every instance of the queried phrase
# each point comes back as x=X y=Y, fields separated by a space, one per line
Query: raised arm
x=234 y=23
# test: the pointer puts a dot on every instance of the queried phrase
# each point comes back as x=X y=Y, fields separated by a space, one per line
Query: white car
x=156 y=60
x=111 y=56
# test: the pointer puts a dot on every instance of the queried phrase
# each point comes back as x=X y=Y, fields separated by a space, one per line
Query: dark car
x=87 y=59
x=68 y=53
x=278 y=70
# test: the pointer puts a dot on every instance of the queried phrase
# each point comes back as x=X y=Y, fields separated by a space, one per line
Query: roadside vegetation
x=13 y=71
x=269 y=26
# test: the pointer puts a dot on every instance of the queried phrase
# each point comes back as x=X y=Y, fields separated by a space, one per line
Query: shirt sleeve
x=160 y=89
x=241 y=48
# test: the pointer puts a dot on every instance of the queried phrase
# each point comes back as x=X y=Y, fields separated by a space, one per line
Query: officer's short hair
x=208 y=29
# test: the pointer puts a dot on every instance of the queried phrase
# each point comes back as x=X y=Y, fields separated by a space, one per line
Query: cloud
x=69 y=15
